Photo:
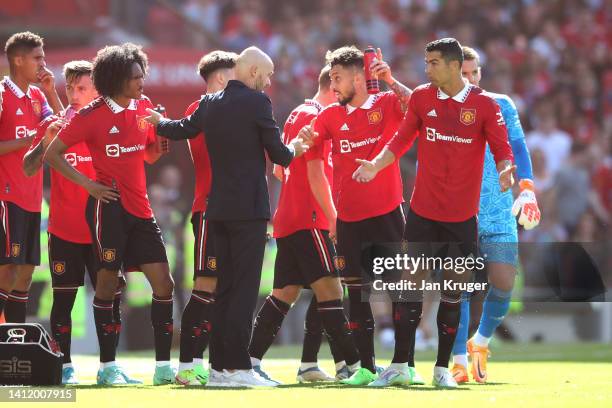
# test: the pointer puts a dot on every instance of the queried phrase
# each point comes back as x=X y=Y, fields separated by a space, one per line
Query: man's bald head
x=254 y=68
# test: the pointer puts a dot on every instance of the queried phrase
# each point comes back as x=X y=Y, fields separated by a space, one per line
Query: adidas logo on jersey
x=19 y=112
x=432 y=113
x=344 y=127
x=113 y=130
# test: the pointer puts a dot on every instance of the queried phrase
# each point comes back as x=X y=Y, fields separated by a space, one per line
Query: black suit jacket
x=239 y=128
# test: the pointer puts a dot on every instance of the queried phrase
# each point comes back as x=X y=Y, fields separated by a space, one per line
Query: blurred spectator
x=552 y=141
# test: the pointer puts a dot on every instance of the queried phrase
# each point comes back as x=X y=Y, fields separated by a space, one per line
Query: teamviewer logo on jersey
x=345 y=146
x=431 y=134
x=20 y=132
x=112 y=150
x=71 y=158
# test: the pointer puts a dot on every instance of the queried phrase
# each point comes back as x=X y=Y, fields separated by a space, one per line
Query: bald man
x=239 y=129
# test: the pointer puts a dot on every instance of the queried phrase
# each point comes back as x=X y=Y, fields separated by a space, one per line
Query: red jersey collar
x=460 y=97
x=116 y=108
x=15 y=89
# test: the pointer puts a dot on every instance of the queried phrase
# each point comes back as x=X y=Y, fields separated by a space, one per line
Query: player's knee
x=205 y=284
x=165 y=287
x=288 y=294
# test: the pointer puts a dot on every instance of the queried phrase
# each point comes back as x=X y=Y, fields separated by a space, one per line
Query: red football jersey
x=453 y=133
x=116 y=138
x=361 y=133
x=68 y=200
x=297 y=208
x=201 y=165
x=21 y=113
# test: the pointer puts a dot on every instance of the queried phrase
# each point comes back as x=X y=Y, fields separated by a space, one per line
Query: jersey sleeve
x=45 y=110
x=76 y=130
x=320 y=126
x=495 y=131
x=407 y=132
x=516 y=136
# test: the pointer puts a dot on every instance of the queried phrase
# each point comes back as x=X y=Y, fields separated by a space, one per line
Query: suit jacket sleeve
x=278 y=152
x=186 y=128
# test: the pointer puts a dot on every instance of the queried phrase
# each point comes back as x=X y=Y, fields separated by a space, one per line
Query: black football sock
x=336 y=326
x=117 y=316
x=61 y=320
x=449 y=314
x=161 y=319
x=266 y=326
x=105 y=328
x=191 y=322
x=313 y=330
x=361 y=322
x=16 y=307
x=406 y=319
x=205 y=327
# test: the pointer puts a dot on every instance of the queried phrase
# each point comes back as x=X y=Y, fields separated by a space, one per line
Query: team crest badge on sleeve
x=211 y=263
x=467 y=116
x=339 y=263
x=59 y=267
x=374 y=116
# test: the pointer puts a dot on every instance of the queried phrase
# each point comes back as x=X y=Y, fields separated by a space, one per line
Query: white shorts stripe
x=321 y=244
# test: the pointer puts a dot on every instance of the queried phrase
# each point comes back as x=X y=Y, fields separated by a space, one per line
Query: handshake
x=304 y=140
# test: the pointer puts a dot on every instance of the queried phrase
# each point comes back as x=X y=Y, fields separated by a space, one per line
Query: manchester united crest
x=15 y=250
x=374 y=116
x=36 y=107
x=108 y=255
x=143 y=125
x=339 y=262
x=59 y=267
x=467 y=116
x=211 y=263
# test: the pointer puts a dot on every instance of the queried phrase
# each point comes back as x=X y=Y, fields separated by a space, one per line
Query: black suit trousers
x=240 y=247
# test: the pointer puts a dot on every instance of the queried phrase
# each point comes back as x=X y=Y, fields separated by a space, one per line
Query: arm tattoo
x=403 y=93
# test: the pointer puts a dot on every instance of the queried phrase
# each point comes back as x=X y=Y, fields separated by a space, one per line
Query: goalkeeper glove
x=527 y=205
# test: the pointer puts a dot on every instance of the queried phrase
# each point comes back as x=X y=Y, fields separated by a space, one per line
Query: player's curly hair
x=112 y=67
x=347 y=56
x=22 y=42
x=216 y=60
x=449 y=48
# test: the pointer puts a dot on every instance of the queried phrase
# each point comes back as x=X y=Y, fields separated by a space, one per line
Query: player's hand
x=365 y=172
x=46 y=80
x=506 y=177
x=299 y=146
x=278 y=172
x=101 y=192
x=307 y=133
x=154 y=118
x=527 y=205
x=380 y=69
x=333 y=235
x=53 y=129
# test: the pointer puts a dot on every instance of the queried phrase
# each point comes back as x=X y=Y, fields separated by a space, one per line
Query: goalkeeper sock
x=460 y=346
x=494 y=310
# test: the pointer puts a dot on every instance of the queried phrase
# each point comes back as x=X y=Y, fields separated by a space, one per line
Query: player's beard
x=345 y=100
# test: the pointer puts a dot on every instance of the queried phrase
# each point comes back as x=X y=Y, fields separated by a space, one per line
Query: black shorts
x=122 y=240
x=205 y=255
x=68 y=262
x=444 y=239
x=303 y=258
x=19 y=235
x=353 y=260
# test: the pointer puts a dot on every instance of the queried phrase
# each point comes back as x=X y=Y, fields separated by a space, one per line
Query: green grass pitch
x=524 y=375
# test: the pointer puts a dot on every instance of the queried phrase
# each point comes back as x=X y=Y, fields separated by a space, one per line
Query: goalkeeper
x=497 y=235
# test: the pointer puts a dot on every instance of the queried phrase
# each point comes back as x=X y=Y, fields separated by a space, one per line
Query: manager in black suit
x=239 y=129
